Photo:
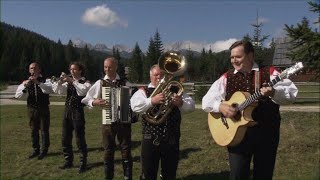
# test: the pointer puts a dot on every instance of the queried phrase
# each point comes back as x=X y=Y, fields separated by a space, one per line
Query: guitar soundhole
x=237 y=117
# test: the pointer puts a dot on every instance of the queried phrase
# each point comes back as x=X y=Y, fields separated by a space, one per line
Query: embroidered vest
x=170 y=128
x=73 y=100
x=267 y=112
x=36 y=97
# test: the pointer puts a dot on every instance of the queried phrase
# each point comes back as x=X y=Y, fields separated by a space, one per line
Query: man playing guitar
x=260 y=142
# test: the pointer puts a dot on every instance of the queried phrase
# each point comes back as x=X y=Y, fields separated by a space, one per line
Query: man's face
x=34 y=69
x=75 y=71
x=110 y=68
x=240 y=60
x=155 y=76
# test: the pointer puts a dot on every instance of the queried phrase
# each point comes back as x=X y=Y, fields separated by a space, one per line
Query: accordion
x=119 y=109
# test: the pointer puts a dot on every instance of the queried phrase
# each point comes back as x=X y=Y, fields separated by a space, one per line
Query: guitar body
x=230 y=131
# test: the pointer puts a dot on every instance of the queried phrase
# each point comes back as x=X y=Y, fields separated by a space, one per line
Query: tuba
x=173 y=64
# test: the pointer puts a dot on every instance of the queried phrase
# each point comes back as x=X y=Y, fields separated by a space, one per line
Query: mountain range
x=126 y=51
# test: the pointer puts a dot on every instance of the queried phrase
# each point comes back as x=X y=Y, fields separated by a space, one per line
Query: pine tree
x=212 y=63
x=203 y=65
x=23 y=65
x=135 y=65
x=121 y=66
x=305 y=41
x=158 y=44
x=190 y=69
x=154 y=51
x=151 y=59
x=257 y=40
x=61 y=64
x=70 y=52
x=86 y=60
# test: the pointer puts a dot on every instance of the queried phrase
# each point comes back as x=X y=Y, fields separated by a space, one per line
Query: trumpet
x=63 y=75
x=31 y=79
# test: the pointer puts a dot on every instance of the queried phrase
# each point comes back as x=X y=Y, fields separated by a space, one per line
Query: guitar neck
x=257 y=94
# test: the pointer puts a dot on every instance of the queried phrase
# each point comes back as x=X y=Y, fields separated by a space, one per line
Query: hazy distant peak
x=122 y=48
x=80 y=43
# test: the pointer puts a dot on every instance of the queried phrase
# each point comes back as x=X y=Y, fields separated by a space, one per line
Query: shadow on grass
x=184 y=153
x=116 y=162
x=95 y=149
x=134 y=144
x=222 y=175
x=54 y=154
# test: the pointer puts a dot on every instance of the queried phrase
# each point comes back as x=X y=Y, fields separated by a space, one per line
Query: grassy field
x=201 y=158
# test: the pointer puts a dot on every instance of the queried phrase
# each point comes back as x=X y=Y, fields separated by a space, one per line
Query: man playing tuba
x=160 y=142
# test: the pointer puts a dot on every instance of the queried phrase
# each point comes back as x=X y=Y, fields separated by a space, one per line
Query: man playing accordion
x=112 y=126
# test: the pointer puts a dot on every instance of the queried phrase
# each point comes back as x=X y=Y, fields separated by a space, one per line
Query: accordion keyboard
x=119 y=99
x=106 y=111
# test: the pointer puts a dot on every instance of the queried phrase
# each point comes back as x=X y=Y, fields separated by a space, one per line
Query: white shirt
x=61 y=88
x=285 y=92
x=140 y=103
x=45 y=87
x=95 y=91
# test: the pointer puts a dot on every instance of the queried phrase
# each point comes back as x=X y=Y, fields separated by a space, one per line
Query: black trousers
x=167 y=152
x=73 y=120
x=259 y=144
x=39 y=121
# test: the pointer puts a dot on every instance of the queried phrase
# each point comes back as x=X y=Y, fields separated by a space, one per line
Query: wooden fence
x=308 y=91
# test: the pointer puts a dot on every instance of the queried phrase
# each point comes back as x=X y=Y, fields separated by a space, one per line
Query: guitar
x=230 y=131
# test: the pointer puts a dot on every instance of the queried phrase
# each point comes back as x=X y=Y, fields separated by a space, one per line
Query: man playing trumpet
x=37 y=90
x=75 y=86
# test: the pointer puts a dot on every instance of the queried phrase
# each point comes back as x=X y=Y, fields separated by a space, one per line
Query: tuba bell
x=173 y=64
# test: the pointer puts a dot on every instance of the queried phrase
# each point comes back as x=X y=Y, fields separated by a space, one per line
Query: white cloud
x=220 y=45
x=198 y=46
x=103 y=16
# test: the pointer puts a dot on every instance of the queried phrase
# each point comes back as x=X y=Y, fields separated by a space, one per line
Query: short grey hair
x=154 y=66
x=113 y=59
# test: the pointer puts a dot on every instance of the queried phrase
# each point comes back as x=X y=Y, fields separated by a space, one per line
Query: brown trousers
x=123 y=134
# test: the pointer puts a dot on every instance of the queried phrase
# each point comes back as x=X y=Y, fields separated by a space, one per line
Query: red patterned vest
x=267 y=111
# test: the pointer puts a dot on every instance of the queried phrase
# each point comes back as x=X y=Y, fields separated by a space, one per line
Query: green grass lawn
x=201 y=158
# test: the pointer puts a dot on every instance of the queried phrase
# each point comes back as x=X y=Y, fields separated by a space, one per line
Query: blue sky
x=198 y=24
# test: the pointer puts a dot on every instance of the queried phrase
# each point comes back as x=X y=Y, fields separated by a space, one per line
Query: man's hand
x=101 y=103
x=68 y=79
x=158 y=99
x=266 y=90
x=177 y=100
x=30 y=79
x=26 y=82
x=227 y=110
